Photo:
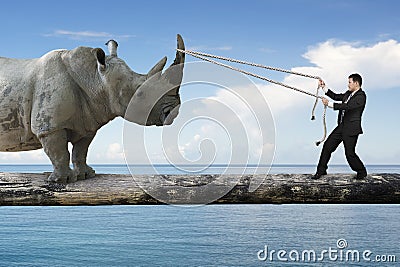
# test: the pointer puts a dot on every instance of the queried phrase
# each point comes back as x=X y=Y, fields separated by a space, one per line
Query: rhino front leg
x=79 y=154
x=56 y=147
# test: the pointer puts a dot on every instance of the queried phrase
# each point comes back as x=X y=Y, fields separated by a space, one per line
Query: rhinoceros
x=65 y=96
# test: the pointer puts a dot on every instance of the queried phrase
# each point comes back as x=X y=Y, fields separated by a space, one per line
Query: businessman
x=351 y=106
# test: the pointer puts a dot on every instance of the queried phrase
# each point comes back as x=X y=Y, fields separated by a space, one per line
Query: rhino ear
x=101 y=58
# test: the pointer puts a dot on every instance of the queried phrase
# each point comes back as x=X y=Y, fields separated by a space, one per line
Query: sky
x=226 y=117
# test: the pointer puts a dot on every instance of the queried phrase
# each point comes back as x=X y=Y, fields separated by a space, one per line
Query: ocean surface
x=212 y=169
x=207 y=235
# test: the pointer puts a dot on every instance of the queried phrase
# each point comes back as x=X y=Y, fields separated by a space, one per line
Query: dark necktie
x=347 y=100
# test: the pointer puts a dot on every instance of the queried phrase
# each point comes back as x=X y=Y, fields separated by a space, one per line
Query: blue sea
x=207 y=235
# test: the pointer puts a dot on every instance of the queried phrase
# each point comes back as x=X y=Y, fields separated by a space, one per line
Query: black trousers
x=331 y=144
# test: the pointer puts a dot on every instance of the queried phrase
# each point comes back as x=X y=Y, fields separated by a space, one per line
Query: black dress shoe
x=361 y=176
x=317 y=175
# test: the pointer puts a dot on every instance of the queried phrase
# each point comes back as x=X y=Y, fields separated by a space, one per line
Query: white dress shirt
x=330 y=103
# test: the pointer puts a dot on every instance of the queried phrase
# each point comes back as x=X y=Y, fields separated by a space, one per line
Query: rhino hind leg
x=79 y=154
x=84 y=171
x=56 y=147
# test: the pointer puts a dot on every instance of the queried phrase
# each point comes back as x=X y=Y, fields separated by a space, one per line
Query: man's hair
x=356 y=78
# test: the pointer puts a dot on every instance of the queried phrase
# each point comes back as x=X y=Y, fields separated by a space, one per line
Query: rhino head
x=115 y=90
x=157 y=100
x=151 y=99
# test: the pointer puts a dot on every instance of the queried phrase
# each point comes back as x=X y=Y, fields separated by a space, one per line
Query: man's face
x=353 y=86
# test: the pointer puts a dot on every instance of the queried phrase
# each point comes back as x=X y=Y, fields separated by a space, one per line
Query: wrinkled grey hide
x=67 y=95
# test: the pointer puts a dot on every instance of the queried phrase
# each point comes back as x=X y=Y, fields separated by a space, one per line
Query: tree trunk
x=107 y=189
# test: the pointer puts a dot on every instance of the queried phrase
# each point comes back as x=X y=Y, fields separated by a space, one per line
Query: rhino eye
x=167 y=108
x=166 y=113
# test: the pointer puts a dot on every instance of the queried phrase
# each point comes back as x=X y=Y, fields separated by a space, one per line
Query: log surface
x=111 y=189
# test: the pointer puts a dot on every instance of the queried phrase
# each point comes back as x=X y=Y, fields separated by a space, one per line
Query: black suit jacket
x=353 y=110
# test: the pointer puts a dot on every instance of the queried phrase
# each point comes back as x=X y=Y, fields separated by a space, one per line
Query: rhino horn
x=174 y=73
x=157 y=68
x=180 y=57
x=157 y=100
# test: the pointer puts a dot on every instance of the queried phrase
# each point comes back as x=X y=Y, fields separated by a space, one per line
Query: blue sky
x=327 y=38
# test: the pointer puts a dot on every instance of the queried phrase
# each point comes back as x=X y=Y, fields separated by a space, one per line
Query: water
x=213 y=169
x=212 y=235
x=218 y=235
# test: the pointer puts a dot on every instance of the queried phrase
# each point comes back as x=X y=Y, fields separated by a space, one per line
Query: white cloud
x=111 y=153
x=7 y=156
x=25 y=157
x=334 y=62
x=379 y=63
x=115 y=152
x=237 y=125
x=78 y=35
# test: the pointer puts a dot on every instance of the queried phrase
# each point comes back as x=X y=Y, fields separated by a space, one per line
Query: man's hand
x=321 y=83
x=325 y=101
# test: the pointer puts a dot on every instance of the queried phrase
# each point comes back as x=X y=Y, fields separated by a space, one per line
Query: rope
x=205 y=57
x=315 y=105
x=196 y=54
x=324 y=120
x=249 y=63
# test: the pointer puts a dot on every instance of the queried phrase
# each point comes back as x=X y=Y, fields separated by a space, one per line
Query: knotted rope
x=206 y=57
